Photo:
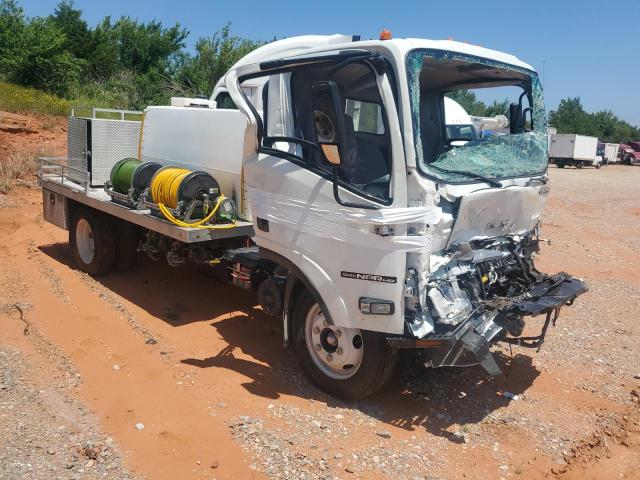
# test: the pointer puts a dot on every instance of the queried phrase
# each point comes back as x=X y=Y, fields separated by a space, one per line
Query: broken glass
x=495 y=156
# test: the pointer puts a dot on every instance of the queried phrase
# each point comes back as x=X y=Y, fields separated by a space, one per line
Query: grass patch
x=14 y=98
x=18 y=167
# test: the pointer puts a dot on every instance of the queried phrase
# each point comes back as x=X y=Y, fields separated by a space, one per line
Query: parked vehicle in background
x=611 y=153
x=600 y=158
x=634 y=154
x=625 y=153
x=576 y=150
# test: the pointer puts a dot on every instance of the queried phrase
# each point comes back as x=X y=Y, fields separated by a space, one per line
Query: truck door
x=344 y=228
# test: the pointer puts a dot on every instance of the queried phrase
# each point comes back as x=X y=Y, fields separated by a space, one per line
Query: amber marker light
x=385 y=35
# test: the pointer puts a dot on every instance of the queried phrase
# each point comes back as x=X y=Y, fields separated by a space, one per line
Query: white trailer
x=611 y=153
x=359 y=220
x=576 y=150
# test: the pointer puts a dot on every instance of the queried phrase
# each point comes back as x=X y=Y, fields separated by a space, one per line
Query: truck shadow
x=417 y=397
x=437 y=400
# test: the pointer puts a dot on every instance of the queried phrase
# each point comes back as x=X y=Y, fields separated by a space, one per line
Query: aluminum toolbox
x=94 y=144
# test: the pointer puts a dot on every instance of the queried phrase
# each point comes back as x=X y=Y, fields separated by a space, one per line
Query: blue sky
x=590 y=49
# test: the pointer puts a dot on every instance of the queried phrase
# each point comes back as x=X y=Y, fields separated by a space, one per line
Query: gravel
x=47 y=435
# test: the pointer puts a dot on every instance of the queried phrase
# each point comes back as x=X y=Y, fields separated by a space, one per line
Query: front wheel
x=347 y=363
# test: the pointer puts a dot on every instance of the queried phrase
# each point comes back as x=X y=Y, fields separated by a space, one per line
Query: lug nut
x=316 y=330
x=339 y=351
x=318 y=347
x=338 y=333
x=329 y=358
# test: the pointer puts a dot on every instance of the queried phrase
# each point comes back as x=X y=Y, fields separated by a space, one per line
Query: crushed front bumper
x=469 y=342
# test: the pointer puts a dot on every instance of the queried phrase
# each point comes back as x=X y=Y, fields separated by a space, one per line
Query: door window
x=366 y=144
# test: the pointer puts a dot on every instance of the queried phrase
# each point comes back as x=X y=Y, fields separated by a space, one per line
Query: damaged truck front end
x=482 y=292
x=477 y=285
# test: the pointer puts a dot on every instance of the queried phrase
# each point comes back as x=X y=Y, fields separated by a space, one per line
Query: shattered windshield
x=475 y=118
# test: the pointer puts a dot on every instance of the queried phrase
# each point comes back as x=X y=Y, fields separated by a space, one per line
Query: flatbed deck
x=99 y=199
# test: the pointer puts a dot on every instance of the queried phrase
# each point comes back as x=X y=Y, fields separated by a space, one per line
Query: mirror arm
x=336 y=195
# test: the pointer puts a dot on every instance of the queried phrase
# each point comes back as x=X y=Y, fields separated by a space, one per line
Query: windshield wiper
x=488 y=180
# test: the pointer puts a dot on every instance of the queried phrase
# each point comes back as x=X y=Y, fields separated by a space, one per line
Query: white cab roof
x=310 y=44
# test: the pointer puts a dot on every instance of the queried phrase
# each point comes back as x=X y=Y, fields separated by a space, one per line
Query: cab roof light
x=385 y=35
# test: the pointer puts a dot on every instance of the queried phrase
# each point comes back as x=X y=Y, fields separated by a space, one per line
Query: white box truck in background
x=576 y=150
x=611 y=153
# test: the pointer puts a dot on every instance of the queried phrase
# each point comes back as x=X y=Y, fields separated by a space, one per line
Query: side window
x=367 y=116
x=224 y=101
x=366 y=146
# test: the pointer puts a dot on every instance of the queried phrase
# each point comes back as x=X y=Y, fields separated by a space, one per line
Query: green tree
x=498 y=108
x=214 y=56
x=570 y=117
x=78 y=38
x=32 y=52
x=12 y=26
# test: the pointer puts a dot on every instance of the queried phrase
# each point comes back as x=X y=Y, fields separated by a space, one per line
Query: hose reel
x=129 y=179
x=184 y=197
x=190 y=199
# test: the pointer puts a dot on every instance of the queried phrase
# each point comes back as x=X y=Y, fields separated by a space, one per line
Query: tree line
x=570 y=117
x=123 y=63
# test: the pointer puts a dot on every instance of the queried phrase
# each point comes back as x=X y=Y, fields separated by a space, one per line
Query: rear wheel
x=560 y=165
x=347 y=363
x=579 y=165
x=92 y=239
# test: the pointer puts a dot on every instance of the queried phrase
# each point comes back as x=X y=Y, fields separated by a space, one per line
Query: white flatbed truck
x=362 y=226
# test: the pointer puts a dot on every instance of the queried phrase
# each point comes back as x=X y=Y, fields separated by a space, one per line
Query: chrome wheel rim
x=336 y=351
x=84 y=241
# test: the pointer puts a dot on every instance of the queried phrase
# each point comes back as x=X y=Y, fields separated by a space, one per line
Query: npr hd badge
x=368 y=276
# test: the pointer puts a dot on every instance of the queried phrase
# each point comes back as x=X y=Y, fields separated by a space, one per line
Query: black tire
x=378 y=362
x=579 y=165
x=126 y=245
x=560 y=165
x=103 y=236
x=598 y=165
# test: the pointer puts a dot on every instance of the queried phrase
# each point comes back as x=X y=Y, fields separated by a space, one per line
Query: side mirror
x=328 y=116
x=516 y=123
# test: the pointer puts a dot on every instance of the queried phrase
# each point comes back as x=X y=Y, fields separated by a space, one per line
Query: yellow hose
x=164 y=191
x=165 y=185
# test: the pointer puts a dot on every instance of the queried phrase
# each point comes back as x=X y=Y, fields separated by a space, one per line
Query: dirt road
x=203 y=370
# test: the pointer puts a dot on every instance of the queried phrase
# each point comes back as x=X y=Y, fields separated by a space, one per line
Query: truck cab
x=395 y=230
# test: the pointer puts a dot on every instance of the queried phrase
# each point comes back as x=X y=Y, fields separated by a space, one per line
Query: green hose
x=121 y=174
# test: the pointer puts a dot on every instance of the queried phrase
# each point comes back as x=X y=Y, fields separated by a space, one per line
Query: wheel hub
x=84 y=241
x=337 y=351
